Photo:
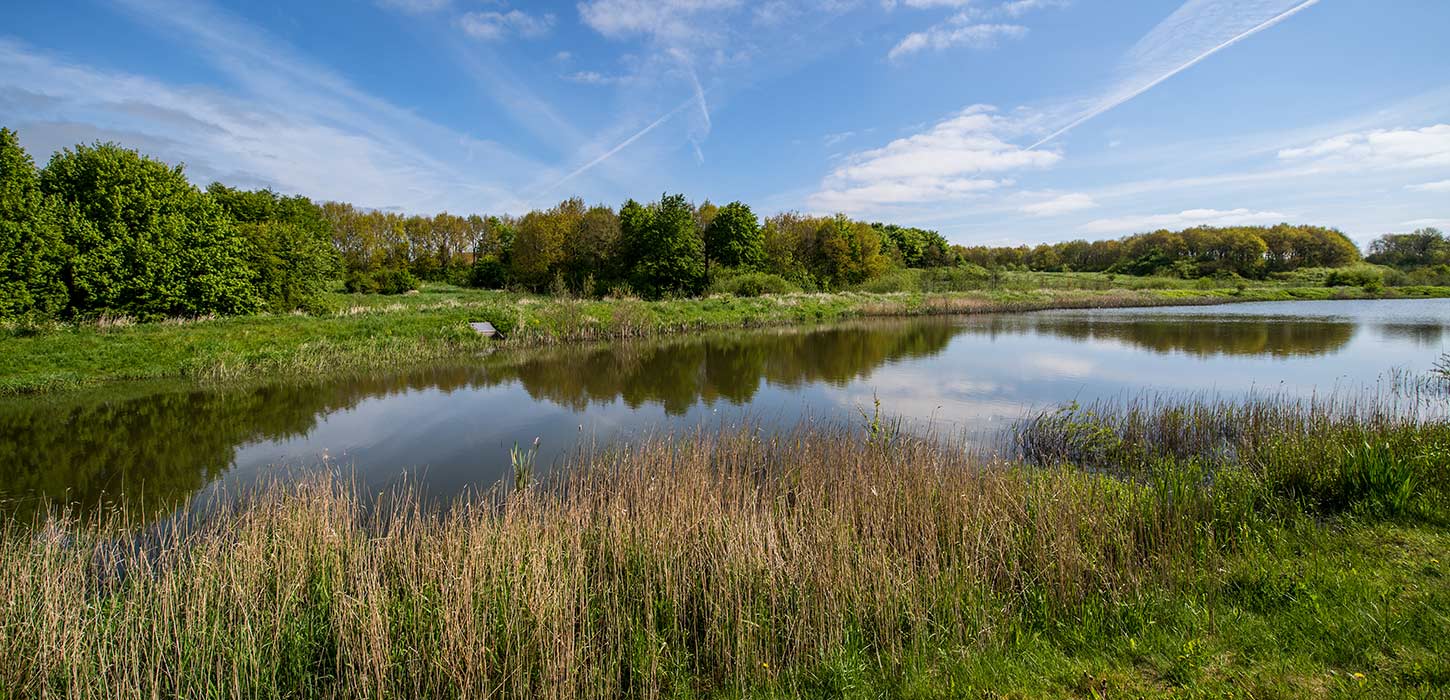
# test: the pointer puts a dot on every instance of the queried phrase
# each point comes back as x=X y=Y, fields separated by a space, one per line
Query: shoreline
x=370 y=333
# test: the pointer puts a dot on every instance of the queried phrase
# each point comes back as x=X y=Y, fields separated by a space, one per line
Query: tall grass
x=681 y=565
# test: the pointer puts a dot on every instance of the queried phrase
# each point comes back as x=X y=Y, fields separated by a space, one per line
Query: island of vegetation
x=114 y=266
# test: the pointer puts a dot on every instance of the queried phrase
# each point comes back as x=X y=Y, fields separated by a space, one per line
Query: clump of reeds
x=684 y=564
x=701 y=562
x=1330 y=454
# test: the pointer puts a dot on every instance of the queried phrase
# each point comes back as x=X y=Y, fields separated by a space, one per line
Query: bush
x=1366 y=277
x=488 y=272
x=965 y=277
x=752 y=284
x=395 y=281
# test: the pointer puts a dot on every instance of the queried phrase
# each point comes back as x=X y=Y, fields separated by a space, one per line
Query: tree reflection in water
x=158 y=444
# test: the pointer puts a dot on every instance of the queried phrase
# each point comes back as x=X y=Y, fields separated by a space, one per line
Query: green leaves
x=33 y=251
x=154 y=244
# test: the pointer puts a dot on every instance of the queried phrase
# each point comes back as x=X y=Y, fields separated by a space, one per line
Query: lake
x=451 y=427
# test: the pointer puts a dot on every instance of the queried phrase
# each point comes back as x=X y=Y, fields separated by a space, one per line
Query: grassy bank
x=1278 y=550
x=367 y=331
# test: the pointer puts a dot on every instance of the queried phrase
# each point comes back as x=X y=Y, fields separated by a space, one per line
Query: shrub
x=752 y=284
x=1366 y=277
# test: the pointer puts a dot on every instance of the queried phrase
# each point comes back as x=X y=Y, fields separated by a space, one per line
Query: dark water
x=452 y=427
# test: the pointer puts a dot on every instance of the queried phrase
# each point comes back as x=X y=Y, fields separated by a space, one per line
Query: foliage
x=291 y=249
x=33 y=251
x=751 y=284
x=1203 y=251
x=155 y=246
x=393 y=281
x=733 y=237
x=668 y=252
x=914 y=247
x=1423 y=248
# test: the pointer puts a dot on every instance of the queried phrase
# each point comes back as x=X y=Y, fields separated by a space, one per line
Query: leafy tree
x=668 y=253
x=846 y=252
x=593 y=250
x=33 y=251
x=290 y=250
x=538 y=246
x=156 y=246
x=733 y=238
x=1426 y=246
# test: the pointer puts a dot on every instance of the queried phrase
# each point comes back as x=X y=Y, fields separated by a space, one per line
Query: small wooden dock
x=486 y=329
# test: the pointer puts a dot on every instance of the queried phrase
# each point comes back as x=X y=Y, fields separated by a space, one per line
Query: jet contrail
x=622 y=144
x=1196 y=60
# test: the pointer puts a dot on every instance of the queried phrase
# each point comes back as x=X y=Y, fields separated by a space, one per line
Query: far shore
x=371 y=332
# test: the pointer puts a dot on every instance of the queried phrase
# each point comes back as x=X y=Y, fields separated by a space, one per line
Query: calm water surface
x=451 y=427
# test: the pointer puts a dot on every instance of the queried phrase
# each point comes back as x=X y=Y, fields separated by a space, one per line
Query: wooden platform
x=486 y=329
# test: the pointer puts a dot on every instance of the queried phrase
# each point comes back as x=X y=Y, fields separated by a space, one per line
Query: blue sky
x=993 y=121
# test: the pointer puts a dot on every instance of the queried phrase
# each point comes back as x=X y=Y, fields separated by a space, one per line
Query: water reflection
x=1169 y=334
x=158 y=445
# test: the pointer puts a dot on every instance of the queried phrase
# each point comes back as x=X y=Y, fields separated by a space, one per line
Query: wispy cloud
x=1441 y=186
x=956 y=32
x=416 y=7
x=1062 y=204
x=243 y=140
x=1125 y=225
x=670 y=21
x=492 y=26
x=1427 y=147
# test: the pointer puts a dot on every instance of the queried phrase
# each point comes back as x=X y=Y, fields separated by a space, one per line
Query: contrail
x=622 y=144
x=1117 y=101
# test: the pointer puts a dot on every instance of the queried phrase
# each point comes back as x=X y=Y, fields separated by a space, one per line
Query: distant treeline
x=104 y=229
x=1246 y=251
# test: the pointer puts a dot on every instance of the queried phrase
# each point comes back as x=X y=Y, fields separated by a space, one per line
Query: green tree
x=157 y=245
x=290 y=244
x=733 y=238
x=592 y=250
x=668 y=253
x=538 y=246
x=33 y=251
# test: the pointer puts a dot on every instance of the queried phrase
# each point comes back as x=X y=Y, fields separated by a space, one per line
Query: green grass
x=364 y=332
x=1167 y=550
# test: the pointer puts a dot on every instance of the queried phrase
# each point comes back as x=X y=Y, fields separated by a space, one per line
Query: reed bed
x=682 y=565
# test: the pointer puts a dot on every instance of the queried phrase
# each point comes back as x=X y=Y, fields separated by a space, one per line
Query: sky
x=992 y=121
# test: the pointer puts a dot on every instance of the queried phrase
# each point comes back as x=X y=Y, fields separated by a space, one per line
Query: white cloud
x=1125 y=225
x=668 y=20
x=955 y=158
x=416 y=7
x=1064 y=204
x=1017 y=8
x=491 y=26
x=1427 y=223
x=957 y=31
x=590 y=77
x=1379 y=148
x=1441 y=186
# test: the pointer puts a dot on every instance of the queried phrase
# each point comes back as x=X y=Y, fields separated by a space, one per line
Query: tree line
x=1201 y=251
x=105 y=229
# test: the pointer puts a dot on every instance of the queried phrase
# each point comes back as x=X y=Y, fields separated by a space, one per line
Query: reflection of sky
x=983 y=379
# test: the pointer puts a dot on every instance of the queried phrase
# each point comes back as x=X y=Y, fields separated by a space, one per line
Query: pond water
x=451 y=427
